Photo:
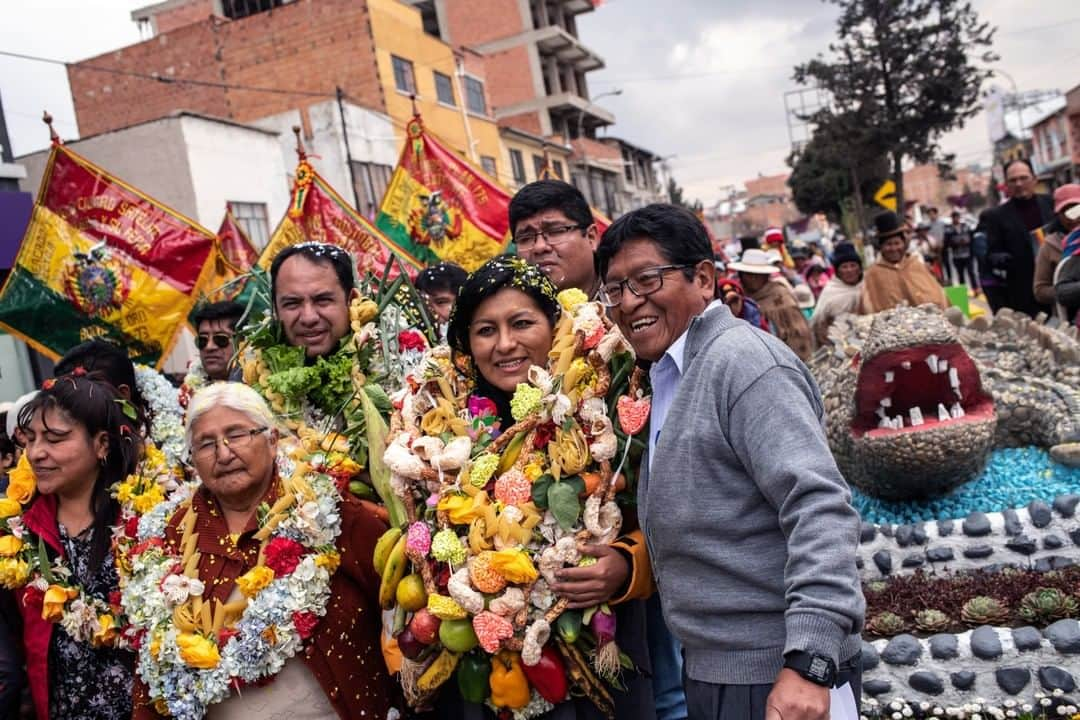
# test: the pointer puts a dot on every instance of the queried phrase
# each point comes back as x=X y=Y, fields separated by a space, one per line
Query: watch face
x=819 y=668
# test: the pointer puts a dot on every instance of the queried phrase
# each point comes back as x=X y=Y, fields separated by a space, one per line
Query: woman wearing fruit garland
x=255 y=595
x=496 y=516
x=55 y=551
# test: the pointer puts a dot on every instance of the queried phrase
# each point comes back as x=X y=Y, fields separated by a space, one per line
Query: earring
x=102 y=461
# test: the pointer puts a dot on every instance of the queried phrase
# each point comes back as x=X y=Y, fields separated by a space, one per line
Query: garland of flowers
x=191 y=652
x=194 y=381
x=495 y=512
x=166 y=416
x=50 y=583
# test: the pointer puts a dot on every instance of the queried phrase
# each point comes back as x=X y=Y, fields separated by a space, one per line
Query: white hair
x=233 y=395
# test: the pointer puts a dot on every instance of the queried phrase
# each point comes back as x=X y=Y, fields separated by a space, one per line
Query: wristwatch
x=818 y=669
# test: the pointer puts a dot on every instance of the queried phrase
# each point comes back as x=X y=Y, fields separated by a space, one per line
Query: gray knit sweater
x=748 y=521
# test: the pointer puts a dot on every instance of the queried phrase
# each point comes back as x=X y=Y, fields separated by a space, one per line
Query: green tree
x=906 y=67
x=840 y=160
x=675 y=196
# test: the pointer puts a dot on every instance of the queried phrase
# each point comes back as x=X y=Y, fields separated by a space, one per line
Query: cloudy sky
x=702 y=81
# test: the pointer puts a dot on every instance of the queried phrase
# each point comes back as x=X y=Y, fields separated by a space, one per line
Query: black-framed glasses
x=219 y=340
x=553 y=234
x=645 y=282
x=234 y=440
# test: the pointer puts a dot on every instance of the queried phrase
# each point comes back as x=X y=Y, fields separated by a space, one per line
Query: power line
x=168 y=80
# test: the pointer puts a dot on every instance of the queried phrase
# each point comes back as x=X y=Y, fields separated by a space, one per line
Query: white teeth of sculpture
x=898 y=422
x=954 y=379
x=880 y=412
x=906 y=364
x=886 y=402
x=889 y=376
x=956 y=411
x=931 y=360
x=942 y=412
x=884 y=422
x=942 y=366
x=916 y=416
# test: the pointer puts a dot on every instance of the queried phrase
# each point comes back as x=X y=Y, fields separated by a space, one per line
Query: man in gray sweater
x=748 y=522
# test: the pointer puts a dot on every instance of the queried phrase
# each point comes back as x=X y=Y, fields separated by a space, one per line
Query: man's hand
x=597 y=583
x=793 y=697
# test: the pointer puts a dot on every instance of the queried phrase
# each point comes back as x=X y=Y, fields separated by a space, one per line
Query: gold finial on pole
x=300 y=152
x=53 y=136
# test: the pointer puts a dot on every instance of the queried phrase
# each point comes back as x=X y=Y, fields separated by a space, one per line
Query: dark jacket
x=1011 y=253
x=1067 y=286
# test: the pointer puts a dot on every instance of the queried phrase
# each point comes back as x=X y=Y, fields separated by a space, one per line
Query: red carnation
x=114 y=600
x=131 y=527
x=224 y=634
x=305 y=623
x=411 y=340
x=543 y=436
x=135 y=637
x=283 y=555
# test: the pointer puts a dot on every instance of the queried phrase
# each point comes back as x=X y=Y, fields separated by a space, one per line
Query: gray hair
x=232 y=395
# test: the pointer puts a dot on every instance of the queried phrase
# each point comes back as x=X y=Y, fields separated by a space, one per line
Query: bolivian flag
x=233 y=257
x=438 y=207
x=100 y=259
x=318 y=214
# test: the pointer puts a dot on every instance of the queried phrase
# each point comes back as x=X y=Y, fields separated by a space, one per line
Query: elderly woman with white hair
x=256 y=595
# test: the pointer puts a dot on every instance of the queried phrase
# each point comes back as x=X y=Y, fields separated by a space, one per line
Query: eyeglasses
x=646 y=282
x=234 y=439
x=219 y=340
x=553 y=234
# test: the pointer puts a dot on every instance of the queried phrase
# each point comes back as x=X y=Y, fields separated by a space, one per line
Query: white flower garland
x=166 y=415
x=265 y=636
x=195 y=380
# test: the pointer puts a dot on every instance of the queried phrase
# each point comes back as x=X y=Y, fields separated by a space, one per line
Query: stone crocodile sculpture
x=916 y=398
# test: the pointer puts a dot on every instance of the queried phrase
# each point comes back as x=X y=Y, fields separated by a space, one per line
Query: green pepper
x=569 y=625
x=472 y=677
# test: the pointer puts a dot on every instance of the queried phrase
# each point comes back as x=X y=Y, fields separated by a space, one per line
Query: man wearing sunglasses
x=553 y=228
x=215 y=324
x=747 y=520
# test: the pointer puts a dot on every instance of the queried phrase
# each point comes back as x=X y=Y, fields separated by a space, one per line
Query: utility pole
x=348 y=151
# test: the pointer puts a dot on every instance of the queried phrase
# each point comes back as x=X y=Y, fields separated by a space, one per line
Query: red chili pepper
x=548 y=676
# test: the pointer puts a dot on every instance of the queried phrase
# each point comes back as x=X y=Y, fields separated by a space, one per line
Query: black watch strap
x=818 y=669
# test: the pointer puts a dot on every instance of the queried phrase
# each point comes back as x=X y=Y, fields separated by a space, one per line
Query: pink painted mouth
x=918 y=389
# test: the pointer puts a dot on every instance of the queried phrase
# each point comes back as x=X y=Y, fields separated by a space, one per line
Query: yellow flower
x=514 y=565
x=13 y=572
x=162 y=708
x=198 y=651
x=124 y=491
x=9 y=508
x=21 y=482
x=459 y=508
x=106 y=632
x=571 y=298
x=254 y=580
x=330 y=560
x=154 y=456
x=568 y=451
x=56 y=597
x=10 y=545
x=148 y=500
x=155 y=647
x=533 y=471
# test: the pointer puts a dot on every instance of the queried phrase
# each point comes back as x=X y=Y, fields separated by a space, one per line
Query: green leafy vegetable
x=563 y=503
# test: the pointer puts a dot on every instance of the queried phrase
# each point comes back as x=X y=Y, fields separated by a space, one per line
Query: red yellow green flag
x=234 y=256
x=101 y=259
x=318 y=214
x=439 y=207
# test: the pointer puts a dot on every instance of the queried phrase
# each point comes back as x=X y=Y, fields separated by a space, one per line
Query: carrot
x=593 y=479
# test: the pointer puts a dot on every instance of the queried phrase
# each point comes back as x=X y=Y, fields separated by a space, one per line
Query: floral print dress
x=88 y=683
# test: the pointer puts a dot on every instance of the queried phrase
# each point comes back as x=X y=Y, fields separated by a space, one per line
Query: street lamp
x=581 y=138
x=1016 y=98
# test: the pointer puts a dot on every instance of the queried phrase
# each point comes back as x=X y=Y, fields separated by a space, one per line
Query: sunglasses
x=219 y=340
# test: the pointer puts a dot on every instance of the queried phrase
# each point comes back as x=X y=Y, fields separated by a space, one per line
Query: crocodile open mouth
x=918 y=388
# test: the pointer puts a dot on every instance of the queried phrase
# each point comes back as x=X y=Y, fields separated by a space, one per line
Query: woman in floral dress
x=78 y=444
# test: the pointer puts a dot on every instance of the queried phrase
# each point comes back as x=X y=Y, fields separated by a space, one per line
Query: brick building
x=924 y=186
x=245 y=61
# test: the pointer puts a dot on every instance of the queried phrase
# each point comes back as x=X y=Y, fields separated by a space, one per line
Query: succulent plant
x=1044 y=605
x=983 y=610
x=886 y=624
x=876 y=586
x=932 y=620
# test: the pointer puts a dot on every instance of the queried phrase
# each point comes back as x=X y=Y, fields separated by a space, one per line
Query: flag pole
x=54 y=138
x=348 y=151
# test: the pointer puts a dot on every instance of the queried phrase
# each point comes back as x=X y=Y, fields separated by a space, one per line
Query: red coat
x=39 y=518
x=343 y=651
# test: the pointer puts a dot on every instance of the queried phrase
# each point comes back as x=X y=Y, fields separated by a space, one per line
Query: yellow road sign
x=886 y=195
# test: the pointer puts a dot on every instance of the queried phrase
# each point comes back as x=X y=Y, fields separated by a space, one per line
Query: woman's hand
x=596 y=583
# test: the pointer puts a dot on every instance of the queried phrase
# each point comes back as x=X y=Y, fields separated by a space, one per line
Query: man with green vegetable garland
x=748 y=522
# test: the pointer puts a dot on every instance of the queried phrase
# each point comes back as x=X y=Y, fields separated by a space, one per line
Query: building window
x=404 y=80
x=371 y=181
x=557 y=164
x=252 y=220
x=628 y=165
x=488 y=163
x=517 y=165
x=236 y=9
x=474 y=96
x=538 y=165
x=444 y=89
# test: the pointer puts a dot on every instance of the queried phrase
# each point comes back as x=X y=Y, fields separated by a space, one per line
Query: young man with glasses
x=553 y=228
x=215 y=324
x=748 y=522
